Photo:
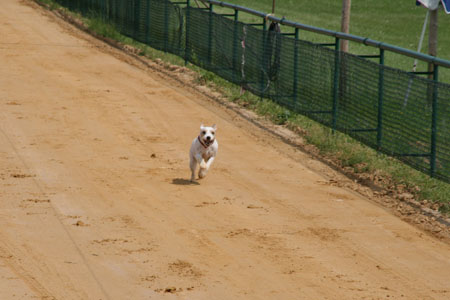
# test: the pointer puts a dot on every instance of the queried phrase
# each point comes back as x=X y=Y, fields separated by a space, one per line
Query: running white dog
x=203 y=151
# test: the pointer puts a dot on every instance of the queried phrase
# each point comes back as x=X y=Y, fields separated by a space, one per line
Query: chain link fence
x=399 y=113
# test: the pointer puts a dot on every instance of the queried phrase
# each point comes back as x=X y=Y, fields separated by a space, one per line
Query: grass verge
x=355 y=159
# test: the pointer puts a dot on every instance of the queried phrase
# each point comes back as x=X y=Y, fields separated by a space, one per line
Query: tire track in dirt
x=40 y=198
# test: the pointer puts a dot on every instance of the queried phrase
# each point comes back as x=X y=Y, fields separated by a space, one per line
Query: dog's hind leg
x=193 y=165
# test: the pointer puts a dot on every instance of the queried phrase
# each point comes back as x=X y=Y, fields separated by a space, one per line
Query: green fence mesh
x=395 y=112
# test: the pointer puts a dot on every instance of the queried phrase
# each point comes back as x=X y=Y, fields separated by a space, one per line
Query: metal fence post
x=210 y=32
x=186 y=53
x=263 y=60
x=337 y=65
x=380 y=99
x=295 y=88
x=122 y=11
x=102 y=10
x=147 y=23
x=166 y=25
x=137 y=19
x=434 y=122
x=105 y=10
x=235 y=45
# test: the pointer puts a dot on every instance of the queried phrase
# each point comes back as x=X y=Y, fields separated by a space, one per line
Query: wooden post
x=336 y=85
x=432 y=38
x=345 y=23
x=345 y=28
x=432 y=50
x=434 y=122
x=273 y=7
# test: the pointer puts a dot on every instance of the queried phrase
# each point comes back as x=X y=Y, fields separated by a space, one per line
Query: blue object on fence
x=446 y=4
x=433 y=4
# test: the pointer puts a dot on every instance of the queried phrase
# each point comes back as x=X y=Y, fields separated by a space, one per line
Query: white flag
x=430 y=4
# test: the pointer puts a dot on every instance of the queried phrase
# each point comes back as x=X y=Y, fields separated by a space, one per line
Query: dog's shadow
x=182 y=181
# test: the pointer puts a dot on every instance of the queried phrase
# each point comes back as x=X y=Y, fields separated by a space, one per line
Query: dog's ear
x=214 y=126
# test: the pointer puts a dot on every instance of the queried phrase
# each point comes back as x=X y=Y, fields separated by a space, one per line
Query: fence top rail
x=341 y=35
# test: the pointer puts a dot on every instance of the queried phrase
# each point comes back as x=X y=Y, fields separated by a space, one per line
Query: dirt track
x=95 y=203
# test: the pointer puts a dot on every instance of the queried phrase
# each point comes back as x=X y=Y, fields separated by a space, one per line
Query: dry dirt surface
x=95 y=201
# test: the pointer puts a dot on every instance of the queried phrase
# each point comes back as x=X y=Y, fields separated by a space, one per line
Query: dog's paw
x=193 y=177
x=202 y=172
x=203 y=164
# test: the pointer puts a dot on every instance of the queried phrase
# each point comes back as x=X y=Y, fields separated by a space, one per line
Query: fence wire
x=395 y=112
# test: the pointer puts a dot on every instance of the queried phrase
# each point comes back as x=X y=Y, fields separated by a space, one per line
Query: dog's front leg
x=204 y=169
x=209 y=162
x=201 y=161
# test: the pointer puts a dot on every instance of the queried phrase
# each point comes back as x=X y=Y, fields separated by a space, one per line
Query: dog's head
x=208 y=134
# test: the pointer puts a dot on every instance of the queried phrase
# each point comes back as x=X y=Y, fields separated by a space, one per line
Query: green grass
x=345 y=151
x=396 y=22
x=50 y=4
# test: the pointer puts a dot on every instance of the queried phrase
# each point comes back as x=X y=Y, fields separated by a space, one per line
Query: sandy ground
x=95 y=202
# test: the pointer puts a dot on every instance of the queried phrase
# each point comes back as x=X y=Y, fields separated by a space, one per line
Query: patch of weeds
x=204 y=77
x=97 y=25
x=50 y=4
